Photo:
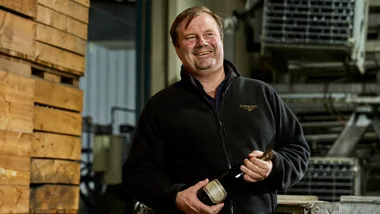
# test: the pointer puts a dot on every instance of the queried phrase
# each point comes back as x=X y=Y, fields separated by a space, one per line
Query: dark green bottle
x=217 y=190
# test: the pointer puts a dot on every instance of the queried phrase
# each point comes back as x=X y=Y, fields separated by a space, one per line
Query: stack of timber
x=42 y=57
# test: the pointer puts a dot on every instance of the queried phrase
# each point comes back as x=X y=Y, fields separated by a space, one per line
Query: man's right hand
x=188 y=202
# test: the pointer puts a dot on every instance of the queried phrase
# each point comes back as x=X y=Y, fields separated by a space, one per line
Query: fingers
x=213 y=209
x=250 y=175
x=188 y=202
x=256 y=154
x=200 y=184
x=216 y=208
x=254 y=168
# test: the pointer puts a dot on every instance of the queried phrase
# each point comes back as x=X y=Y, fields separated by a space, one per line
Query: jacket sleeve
x=143 y=171
x=291 y=149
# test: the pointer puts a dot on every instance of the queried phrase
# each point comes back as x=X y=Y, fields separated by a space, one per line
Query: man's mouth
x=202 y=53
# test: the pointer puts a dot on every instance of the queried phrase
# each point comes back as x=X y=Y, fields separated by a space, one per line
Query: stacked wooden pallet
x=42 y=57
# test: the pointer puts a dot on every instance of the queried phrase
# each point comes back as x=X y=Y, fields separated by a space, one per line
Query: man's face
x=200 y=47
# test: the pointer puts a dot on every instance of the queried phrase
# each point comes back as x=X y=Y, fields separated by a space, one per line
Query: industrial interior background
x=321 y=56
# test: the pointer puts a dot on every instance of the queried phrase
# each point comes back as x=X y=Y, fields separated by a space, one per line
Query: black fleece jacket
x=182 y=139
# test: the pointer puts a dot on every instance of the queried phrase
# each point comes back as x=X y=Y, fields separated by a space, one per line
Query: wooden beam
x=60 y=39
x=52 y=77
x=58 y=95
x=16 y=102
x=54 y=171
x=62 y=22
x=15 y=143
x=14 y=198
x=54 y=199
x=14 y=65
x=14 y=170
x=83 y=2
x=18 y=34
x=60 y=59
x=26 y=7
x=67 y=7
x=48 y=145
x=64 y=122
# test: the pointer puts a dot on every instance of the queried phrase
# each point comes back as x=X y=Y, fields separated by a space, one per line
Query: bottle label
x=215 y=191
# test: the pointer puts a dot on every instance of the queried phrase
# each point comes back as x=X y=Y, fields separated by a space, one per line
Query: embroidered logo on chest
x=248 y=107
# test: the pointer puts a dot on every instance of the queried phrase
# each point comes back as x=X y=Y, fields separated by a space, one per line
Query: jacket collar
x=229 y=67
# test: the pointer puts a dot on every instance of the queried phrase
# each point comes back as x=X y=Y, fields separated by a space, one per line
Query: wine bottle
x=217 y=190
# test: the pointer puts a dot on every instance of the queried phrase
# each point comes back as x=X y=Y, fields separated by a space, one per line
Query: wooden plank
x=16 y=102
x=26 y=7
x=83 y=2
x=54 y=199
x=17 y=34
x=58 y=58
x=67 y=7
x=60 y=38
x=14 y=170
x=64 y=122
x=58 y=95
x=54 y=171
x=48 y=145
x=15 y=143
x=14 y=198
x=52 y=77
x=62 y=22
x=14 y=65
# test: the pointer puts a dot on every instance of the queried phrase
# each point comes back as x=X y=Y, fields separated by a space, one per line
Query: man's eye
x=190 y=37
x=210 y=34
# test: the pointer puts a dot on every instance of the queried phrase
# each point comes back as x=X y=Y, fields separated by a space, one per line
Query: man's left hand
x=254 y=168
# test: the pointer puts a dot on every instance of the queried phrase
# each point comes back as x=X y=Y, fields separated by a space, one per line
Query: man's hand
x=188 y=202
x=254 y=168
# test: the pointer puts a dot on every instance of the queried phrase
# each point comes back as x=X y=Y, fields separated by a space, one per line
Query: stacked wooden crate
x=42 y=57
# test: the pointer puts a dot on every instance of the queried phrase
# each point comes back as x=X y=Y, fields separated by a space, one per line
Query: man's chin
x=205 y=66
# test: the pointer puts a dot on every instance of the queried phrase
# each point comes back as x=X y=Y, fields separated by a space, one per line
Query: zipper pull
x=219 y=120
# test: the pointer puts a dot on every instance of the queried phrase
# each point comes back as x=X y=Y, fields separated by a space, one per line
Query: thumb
x=201 y=184
x=256 y=154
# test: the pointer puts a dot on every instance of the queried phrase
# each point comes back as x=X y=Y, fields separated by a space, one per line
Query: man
x=213 y=119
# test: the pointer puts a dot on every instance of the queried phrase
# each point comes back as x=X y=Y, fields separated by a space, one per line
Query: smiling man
x=211 y=121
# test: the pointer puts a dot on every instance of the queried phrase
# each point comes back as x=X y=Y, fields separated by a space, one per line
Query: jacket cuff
x=276 y=174
x=173 y=195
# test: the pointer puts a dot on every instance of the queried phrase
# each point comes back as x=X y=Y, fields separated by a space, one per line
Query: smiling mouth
x=202 y=53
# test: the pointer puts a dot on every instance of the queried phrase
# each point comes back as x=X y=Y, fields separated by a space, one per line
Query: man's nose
x=202 y=41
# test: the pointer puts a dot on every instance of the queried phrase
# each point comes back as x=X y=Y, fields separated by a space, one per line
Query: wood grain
x=14 y=198
x=67 y=7
x=54 y=171
x=15 y=143
x=11 y=64
x=18 y=34
x=58 y=58
x=60 y=39
x=57 y=121
x=83 y=2
x=54 y=199
x=48 y=145
x=58 y=95
x=16 y=102
x=62 y=22
x=26 y=7
x=14 y=170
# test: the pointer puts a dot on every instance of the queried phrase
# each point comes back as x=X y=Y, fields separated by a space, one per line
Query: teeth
x=203 y=53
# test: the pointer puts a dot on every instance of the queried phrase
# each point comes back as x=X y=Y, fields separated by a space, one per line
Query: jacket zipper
x=222 y=135
x=224 y=142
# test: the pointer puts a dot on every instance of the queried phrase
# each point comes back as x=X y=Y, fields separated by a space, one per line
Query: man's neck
x=211 y=82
